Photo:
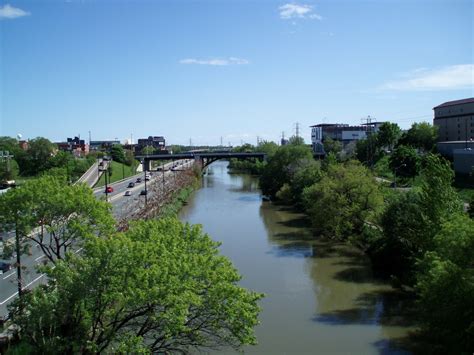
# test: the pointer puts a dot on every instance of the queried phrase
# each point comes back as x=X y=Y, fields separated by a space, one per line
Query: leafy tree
x=388 y=135
x=367 y=150
x=118 y=153
x=162 y=288
x=421 y=135
x=64 y=213
x=306 y=176
x=405 y=161
x=411 y=221
x=40 y=150
x=446 y=286
x=332 y=146
x=282 y=167
x=9 y=170
x=343 y=200
x=296 y=140
x=148 y=150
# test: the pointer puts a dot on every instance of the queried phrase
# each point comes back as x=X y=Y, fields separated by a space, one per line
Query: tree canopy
x=159 y=287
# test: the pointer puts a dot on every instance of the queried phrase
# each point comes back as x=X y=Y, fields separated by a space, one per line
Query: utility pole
x=221 y=142
x=297 y=129
x=89 y=138
x=190 y=143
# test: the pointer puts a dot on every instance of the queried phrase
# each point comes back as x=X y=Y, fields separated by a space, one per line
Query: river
x=321 y=296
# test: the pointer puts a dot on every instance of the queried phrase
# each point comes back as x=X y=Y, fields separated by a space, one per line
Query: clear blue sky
x=236 y=69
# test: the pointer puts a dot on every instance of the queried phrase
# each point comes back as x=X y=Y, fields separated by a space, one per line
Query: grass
x=119 y=172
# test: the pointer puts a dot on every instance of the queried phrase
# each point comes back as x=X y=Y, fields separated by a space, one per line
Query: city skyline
x=206 y=70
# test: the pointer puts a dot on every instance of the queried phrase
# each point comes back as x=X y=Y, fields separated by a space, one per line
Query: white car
x=128 y=193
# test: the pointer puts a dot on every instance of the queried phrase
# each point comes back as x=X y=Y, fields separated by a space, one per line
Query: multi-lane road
x=120 y=204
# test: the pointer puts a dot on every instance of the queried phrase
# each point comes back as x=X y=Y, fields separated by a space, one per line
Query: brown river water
x=321 y=296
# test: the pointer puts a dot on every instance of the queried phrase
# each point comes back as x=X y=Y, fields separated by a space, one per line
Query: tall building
x=455 y=120
x=157 y=142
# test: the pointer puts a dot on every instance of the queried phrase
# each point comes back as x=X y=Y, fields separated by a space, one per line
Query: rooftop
x=456 y=102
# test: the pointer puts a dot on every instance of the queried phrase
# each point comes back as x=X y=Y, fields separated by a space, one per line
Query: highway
x=120 y=204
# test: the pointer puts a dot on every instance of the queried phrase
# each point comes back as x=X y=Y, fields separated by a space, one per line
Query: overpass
x=205 y=158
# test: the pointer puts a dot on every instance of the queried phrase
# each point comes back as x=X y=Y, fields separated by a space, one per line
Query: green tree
x=345 y=198
x=9 y=170
x=305 y=177
x=405 y=162
x=64 y=213
x=118 y=153
x=281 y=168
x=367 y=150
x=148 y=150
x=160 y=287
x=446 y=286
x=296 y=140
x=40 y=150
x=411 y=221
x=421 y=135
x=388 y=135
x=332 y=146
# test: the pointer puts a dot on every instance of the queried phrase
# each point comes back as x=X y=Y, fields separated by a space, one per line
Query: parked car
x=131 y=184
x=143 y=192
x=147 y=178
x=139 y=180
x=4 y=267
x=128 y=193
x=109 y=189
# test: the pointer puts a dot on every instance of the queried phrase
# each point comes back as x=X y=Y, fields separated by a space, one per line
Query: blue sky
x=202 y=70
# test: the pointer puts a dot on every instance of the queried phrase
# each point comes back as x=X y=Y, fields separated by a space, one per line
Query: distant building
x=102 y=145
x=341 y=132
x=76 y=146
x=157 y=142
x=455 y=120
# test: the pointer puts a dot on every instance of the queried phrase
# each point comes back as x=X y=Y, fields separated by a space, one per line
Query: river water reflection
x=321 y=297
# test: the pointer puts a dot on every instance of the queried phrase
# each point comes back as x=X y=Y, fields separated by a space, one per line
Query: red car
x=109 y=189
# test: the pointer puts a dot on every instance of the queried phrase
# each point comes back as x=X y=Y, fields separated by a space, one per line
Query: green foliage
x=446 y=286
x=253 y=166
x=411 y=221
x=118 y=153
x=343 y=200
x=9 y=170
x=161 y=287
x=282 y=167
x=296 y=140
x=332 y=146
x=40 y=150
x=148 y=150
x=367 y=150
x=382 y=167
x=421 y=135
x=405 y=162
x=304 y=177
x=66 y=214
x=388 y=135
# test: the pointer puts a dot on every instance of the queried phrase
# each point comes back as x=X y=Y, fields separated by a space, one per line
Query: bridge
x=202 y=157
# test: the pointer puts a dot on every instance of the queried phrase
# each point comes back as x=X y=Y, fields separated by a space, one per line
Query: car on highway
x=4 y=267
x=147 y=178
x=128 y=193
x=131 y=184
x=143 y=192
x=139 y=180
x=109 y=189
